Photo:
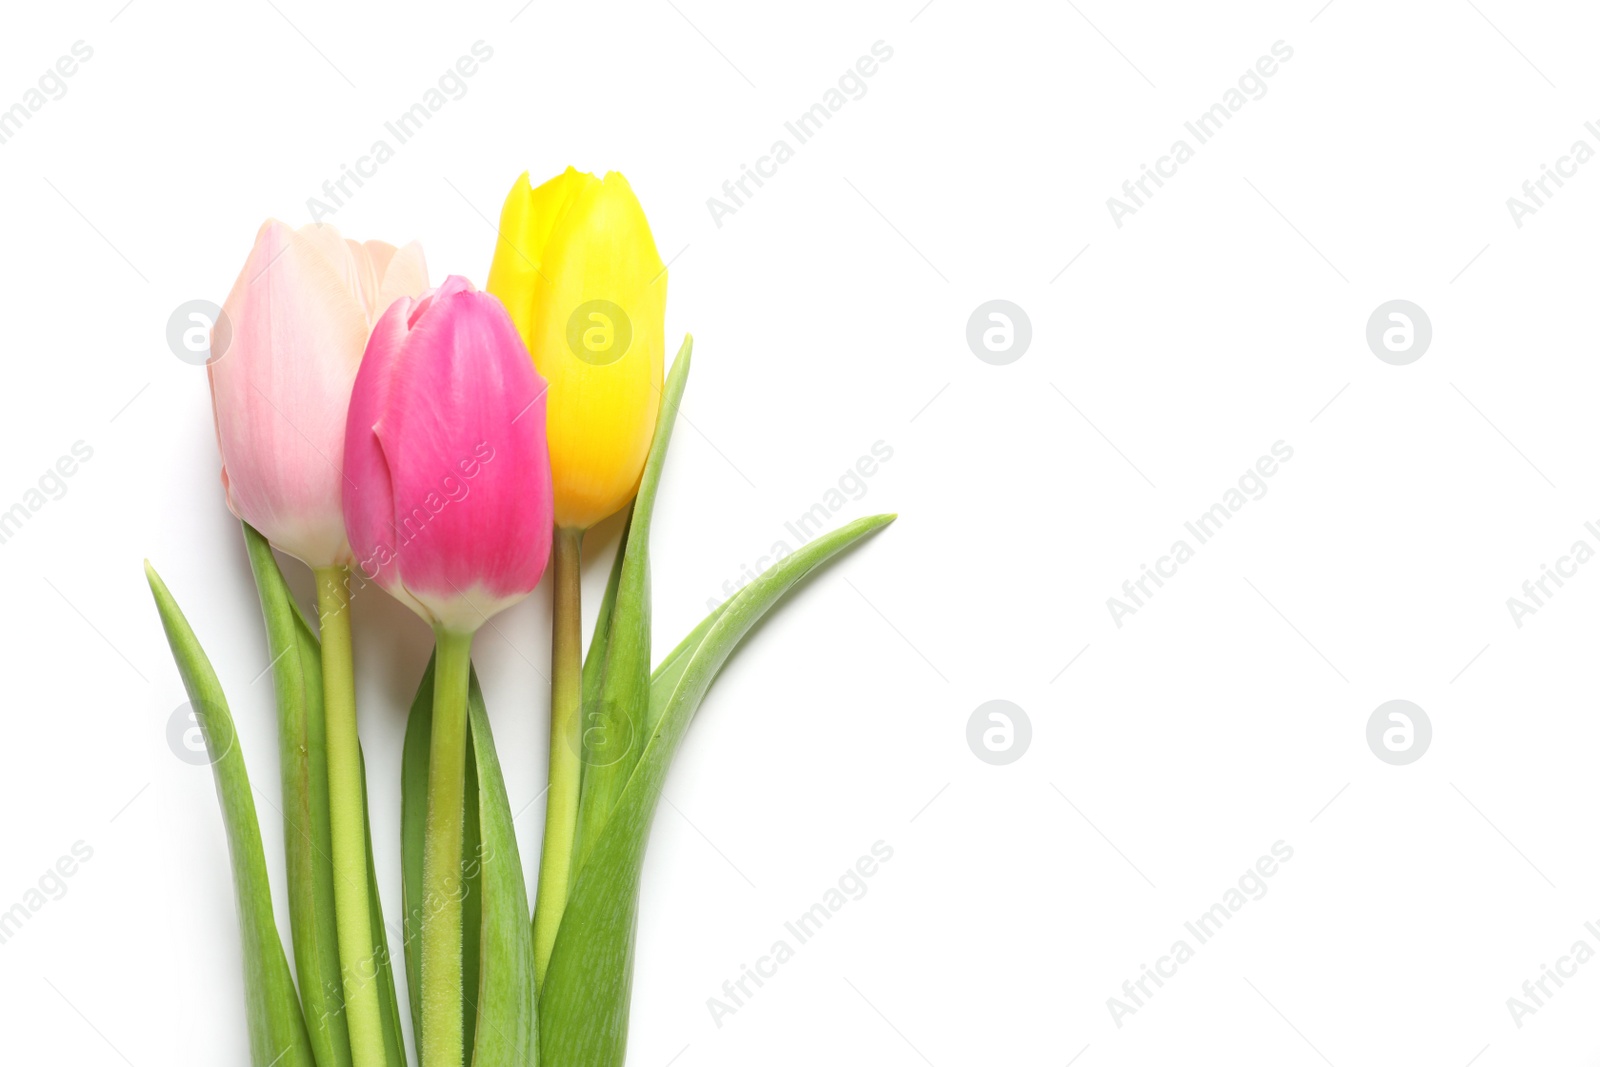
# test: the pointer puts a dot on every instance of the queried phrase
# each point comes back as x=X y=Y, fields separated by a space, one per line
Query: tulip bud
x=300 y=312
x=447 y=497
x=578 y=270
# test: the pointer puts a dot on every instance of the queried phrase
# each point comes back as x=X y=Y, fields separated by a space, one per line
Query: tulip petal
x=603 y=268
x=281 y=390
x=525 y=224
x=369 y=497
x=461 y=434
x=450 y=508
x=404 y=273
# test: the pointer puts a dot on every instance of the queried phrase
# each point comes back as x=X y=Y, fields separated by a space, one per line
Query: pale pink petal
x=404 y=274
x=281 y=392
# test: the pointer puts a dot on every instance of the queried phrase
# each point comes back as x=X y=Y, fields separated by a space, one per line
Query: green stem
x=561 y=805
x=347 y=818
x=442 y=883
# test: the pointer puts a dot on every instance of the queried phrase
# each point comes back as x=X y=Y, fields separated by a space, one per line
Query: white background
x=830 y=313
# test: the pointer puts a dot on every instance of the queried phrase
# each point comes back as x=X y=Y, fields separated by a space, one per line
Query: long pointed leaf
x=497 y=929
x=472 y=884
x=307 y=836
x=665 y=679
x=594 y=662
x=413 y=830
x=416 y=758
x=583 y=1006
x=278 y=1036
x=297 y=680
x=394 y=1048
x=614 y=721
x=507 y=1033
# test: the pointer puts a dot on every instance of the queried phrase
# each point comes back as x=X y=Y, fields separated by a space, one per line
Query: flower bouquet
x=444 y=444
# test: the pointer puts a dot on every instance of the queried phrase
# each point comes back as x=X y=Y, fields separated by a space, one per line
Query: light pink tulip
x=448 y=497
x=300 y=314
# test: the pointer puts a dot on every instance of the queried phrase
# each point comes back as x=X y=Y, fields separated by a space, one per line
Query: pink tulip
x=300 y=313
x=448 y=496
x=450 y=508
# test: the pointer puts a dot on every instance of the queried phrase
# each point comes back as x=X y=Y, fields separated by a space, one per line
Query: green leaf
x=497 y=965
x=278 y=1035
x=307 y=837
x=594 y=662
x=413 y=833
x=507 y=1032
x=472 y=884
x=583 y=1007
x=394 y=1048
x=614 y=721
x=307 y=834
x=665 y=679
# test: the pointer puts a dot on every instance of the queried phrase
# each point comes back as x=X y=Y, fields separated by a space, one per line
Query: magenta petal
x=453 y=425
x=368 y=496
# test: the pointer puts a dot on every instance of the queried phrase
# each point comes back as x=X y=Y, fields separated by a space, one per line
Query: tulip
x=449 y=503
x=300 y=314
x=449 y=509
x=578 y=270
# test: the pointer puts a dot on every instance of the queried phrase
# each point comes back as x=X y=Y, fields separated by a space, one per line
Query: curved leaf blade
x=594 y=662
x=413 y=831
x=614 y=720
x=307 y=834
x=278 y=1036
x=497 y=965
x=416 y=759
x=506 y=1030
x=583 y=1006
x=308 y=845
x=394 y=1048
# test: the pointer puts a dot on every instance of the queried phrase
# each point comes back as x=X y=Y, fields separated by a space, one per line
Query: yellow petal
x=596 y=332
x=525 y=224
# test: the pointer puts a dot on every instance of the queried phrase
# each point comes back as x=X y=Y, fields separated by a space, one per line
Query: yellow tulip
x=577 y=268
